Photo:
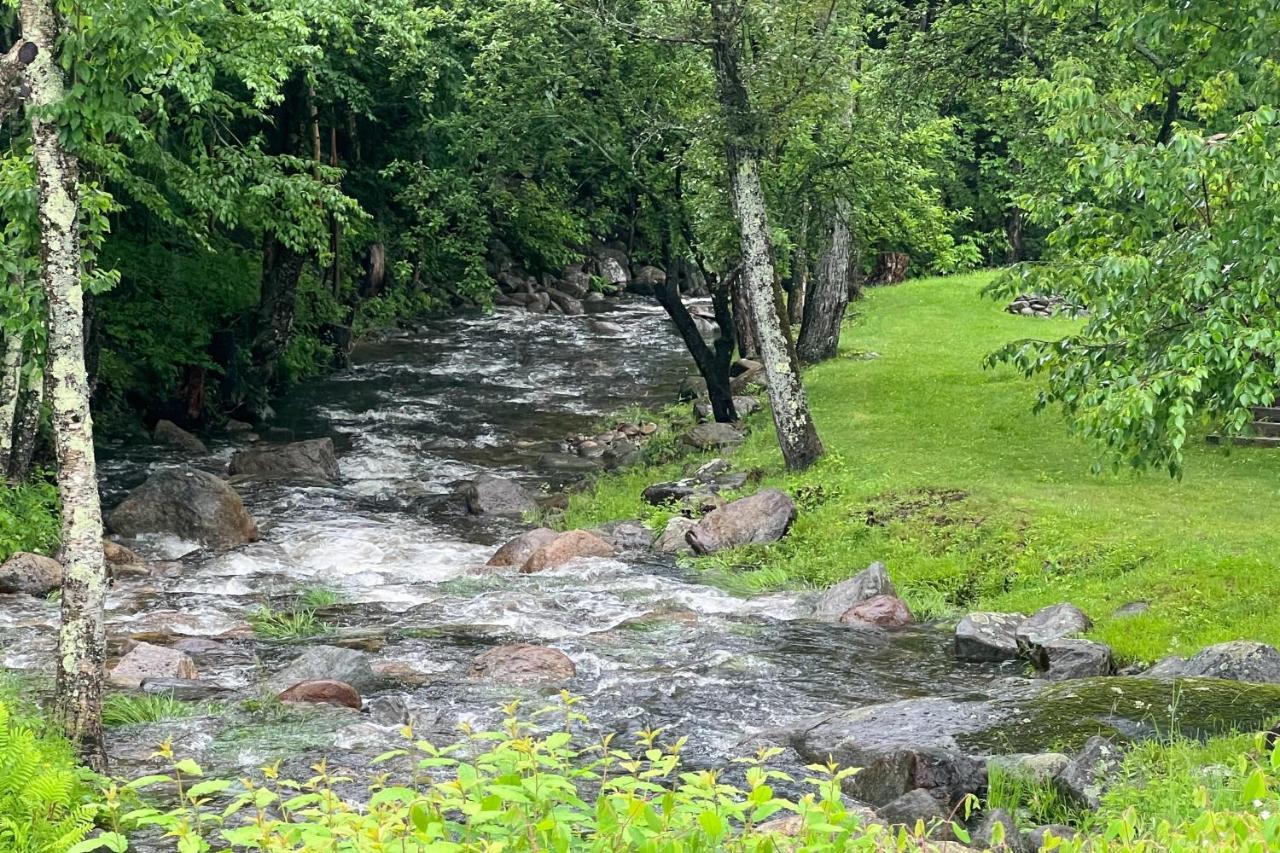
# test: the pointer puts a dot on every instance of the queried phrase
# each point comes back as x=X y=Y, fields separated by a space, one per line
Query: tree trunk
x=713 y=368
x=797 y=435
x=744 y=328
x=82 y=638
x=891 y=268
x=281 y=270
x=10 y=388
x=26 y=431
x=824 y=313
x=799 y=273
x=1013 y=231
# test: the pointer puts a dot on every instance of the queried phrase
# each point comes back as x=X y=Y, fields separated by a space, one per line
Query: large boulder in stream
x=492 y=495
x=326 y=663
x=868 y=583
x=523 y=665
x=1056 y=622
x=167 y=432
x=989 y=637
x=573 y=545
x=761 y=518
x=188 y=503
x=146 y=661
x=33 y=574
x=518 y=551
x=299 y=460
x=942 y=744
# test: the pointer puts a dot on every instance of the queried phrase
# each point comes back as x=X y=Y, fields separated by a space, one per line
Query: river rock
x=628 y=537
x=1091 y=772
x=323 y=692
x=573 y=545
x=761 y=518
x=1037 y=838
x=570 y=306
x=325 y=663
x=145 y=661
x=1038 y=768
x=868 y=583
x=675 y=536
x=884 y=611
x=29 y=573
x=182 y=689
x=713 y=436
x=1071 y=658
x=492 y=495
x=988 y=637
x=1239 y=660
x=118 y=555
x=913 y=806
x=743 y=404
x=567 y=463
x=900 y=746
x=167 y=432
x=1133 y=608
x=188 y=503
x=1056 y=622
x=524 y=665
x=518 y=551
x=300 y=460
x=659 y=494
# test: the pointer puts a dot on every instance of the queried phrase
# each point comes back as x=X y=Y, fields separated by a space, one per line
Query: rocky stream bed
x=423 y=630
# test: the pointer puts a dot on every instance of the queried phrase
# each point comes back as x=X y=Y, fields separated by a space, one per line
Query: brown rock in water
x=33 y=574
x=884 y=611
x=324 y=692
x=299 y=460
x=761 y=518
x=524 y=665
x=118 y=555
x=167 y=432
x=187 y=503
x=147 y=661
x=518 y=551
x=565 y=547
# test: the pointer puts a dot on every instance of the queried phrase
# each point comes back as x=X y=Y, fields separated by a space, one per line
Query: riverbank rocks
x=868 y=583
x=988 y=637
x=714 y=436
x=188 y=503
x=323 y=692
x=759 y=519
x=626 y=537
x=944 y=744
x=1056 y=622
x=118 y=555
x=1038 y=305
x=572 y=545
x=518 y=551
x=742 y=404
x=881 y=611
x=326 y=663
x=524 y=665
x=492 y=495
x=1239 y=660
x=1090 y=773
x=146 y=661
x=169 y=433
x=675 y=536
x=33 y=574
x=300 y=460
x=1071 y=658
x=745 y=373
x=617 y=447
x=913 y=806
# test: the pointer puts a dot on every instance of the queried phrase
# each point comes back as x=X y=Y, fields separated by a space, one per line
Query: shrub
x=28 y=518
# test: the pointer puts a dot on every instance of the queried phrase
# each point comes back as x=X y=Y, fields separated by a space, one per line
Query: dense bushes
x=28 y=518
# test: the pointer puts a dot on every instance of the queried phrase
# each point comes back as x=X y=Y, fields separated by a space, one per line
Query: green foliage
x=121 y=709
x=43 y=806
x=296 y=623
x=316 y=597
x=1034 y=527
x=1163 y=193
x=29 y=518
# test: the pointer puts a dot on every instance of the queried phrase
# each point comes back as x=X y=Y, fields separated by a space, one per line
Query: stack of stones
x=1035 y=305
x=624 y=440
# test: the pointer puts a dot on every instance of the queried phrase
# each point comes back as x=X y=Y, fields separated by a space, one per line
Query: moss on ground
x=938 y=467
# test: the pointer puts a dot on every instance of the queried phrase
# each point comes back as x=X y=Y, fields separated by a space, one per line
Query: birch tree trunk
x=82 y=638
x=797 y=435
x=10 y=388
x=26 y=425
x=824 y=310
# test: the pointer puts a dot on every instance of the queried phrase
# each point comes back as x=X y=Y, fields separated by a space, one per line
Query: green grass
x=296 y=623
x=316 y=597
x=120 y=709
x=976 y=503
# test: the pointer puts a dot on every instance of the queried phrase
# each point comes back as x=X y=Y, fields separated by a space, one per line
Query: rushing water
x=418 y=413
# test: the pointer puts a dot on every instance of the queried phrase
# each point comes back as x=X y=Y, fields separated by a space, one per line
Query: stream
x=418 y=413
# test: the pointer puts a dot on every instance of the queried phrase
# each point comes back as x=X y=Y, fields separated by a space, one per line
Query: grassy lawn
x=938 y=467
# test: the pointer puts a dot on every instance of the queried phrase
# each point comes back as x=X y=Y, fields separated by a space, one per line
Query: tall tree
x=744 y=144
x=82 y=637
x=825 y=306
